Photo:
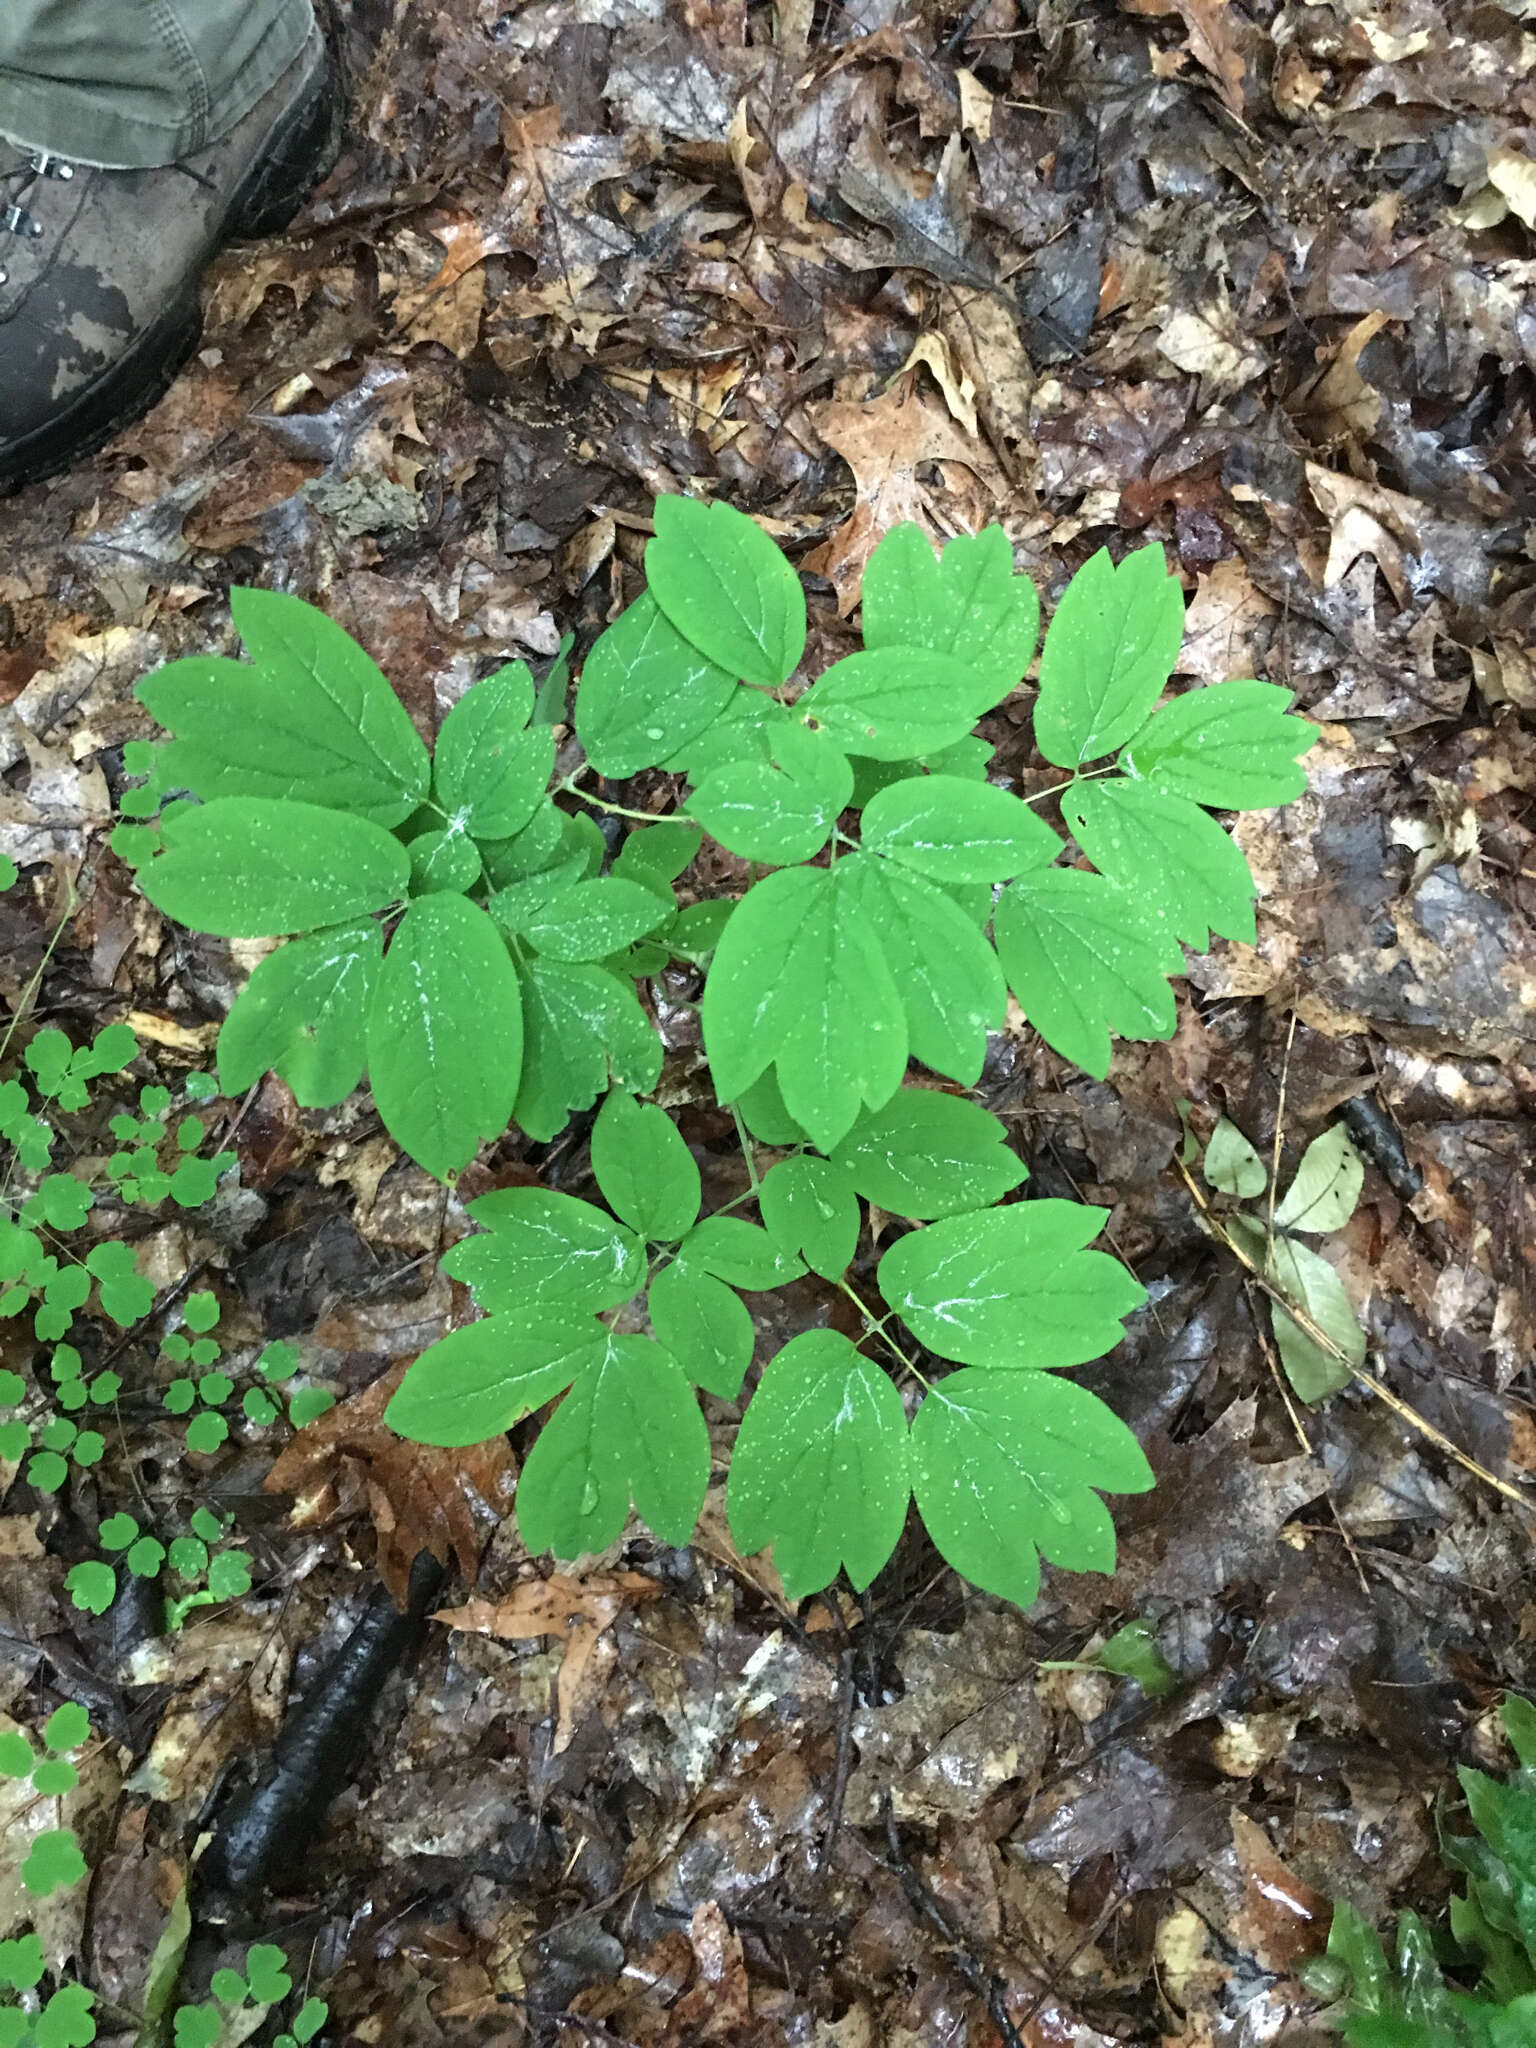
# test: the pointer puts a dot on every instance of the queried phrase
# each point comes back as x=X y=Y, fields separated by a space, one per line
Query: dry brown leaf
x=1211 y=41
x=420 y=1497
x=883 y=443
x=577 y=1611
x=1219 y=627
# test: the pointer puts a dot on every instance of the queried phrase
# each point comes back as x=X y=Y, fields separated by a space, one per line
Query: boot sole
x=298 y=156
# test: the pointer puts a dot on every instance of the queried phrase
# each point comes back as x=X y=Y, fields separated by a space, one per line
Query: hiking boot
x=99 y=305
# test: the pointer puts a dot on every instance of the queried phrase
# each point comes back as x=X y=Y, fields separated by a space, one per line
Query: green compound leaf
x=581 y=1024
x=968 y=603
x=926 y=1154
x=781 y=810
x=895 y=703
x=798 y=960
x=489 y=772
x=646 y=1172
x=443 y=860
x=198 y=2026
x=1011 y=1287
x=809 y=1206
x=1003 y=1468
x=1083 y=964
x=1109 y=649
x=645 y=692
x=65 y=2021
x=313 y=720
x=445 y=1033
x=629 y=1431
x=251 y=868
x=1230 y=745
x=229 y=1574
x=704 y=1325
x=54 y=1777
x=727 y=589
x=53 y=1863
x=820 y=1465
x=304 y=1015
x=738 y=1253
x=546 y=1251
x=63 y=1201
x=951 y=986
x=954 y=830
x=1327 y=1185
x=1168 y=854
x=266 y=1969
x=590 y=920
x=21 y=1962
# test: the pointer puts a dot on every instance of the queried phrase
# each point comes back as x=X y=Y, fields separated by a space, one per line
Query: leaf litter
x=1068 y=267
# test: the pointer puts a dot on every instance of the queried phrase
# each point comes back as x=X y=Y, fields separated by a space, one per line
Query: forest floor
x=1253 y=281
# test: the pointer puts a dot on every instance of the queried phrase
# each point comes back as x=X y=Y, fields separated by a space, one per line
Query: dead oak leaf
x=884 y=442
x=419 y=1496
x=578 y=1612
x=1207 y=23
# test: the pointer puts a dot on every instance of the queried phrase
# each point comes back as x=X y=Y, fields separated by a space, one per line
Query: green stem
x=601 y=803
x=876 y=1327
x=746 y=1153
x=1089 y=775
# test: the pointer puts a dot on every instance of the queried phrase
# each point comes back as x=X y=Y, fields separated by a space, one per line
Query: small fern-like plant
x=1471 y=1984
x=463 y=935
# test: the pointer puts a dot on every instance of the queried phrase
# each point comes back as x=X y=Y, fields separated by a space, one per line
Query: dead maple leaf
x=883 y=442
x=579 y=1612
x=420 y=1497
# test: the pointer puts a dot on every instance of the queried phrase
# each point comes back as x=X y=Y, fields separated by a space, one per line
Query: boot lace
x=17 y=182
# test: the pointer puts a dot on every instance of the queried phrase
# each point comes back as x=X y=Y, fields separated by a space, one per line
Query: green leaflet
x=538 y=1250
x=1082 y=963
x=744 y=731
x=1167 y=853
x=809 y=1206
x=1003 y=1468
x=950 y=985
x=1327 y=1185
x=490 y=768
x=953 y=830
x=581 y=1024
x=705 y=1326
x=257 y=868
x=781 y=810
x=1230 y=745
x=1306 y=1279
x=762 y=1110
x=894 y=703
x=1011 y=1287
x=629 y=1430
x=312 y=719
x=540 y=845
x=646 y=1172
x=926 y=1154
x=738 y=1253
x=819 y=1468
x=591 y=920
x=476 y=1382
x=304 y=1014
x=443 y=861
x=797 y=960
x=726 y=587
x=1108 y=651
x=1231 y=1165
x=655 y=855
x=645 y=691
x=445 y=1033
x=968 y=603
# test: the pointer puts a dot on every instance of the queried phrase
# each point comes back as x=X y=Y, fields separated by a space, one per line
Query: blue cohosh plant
x=1471 y=1984
x=460 y=934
